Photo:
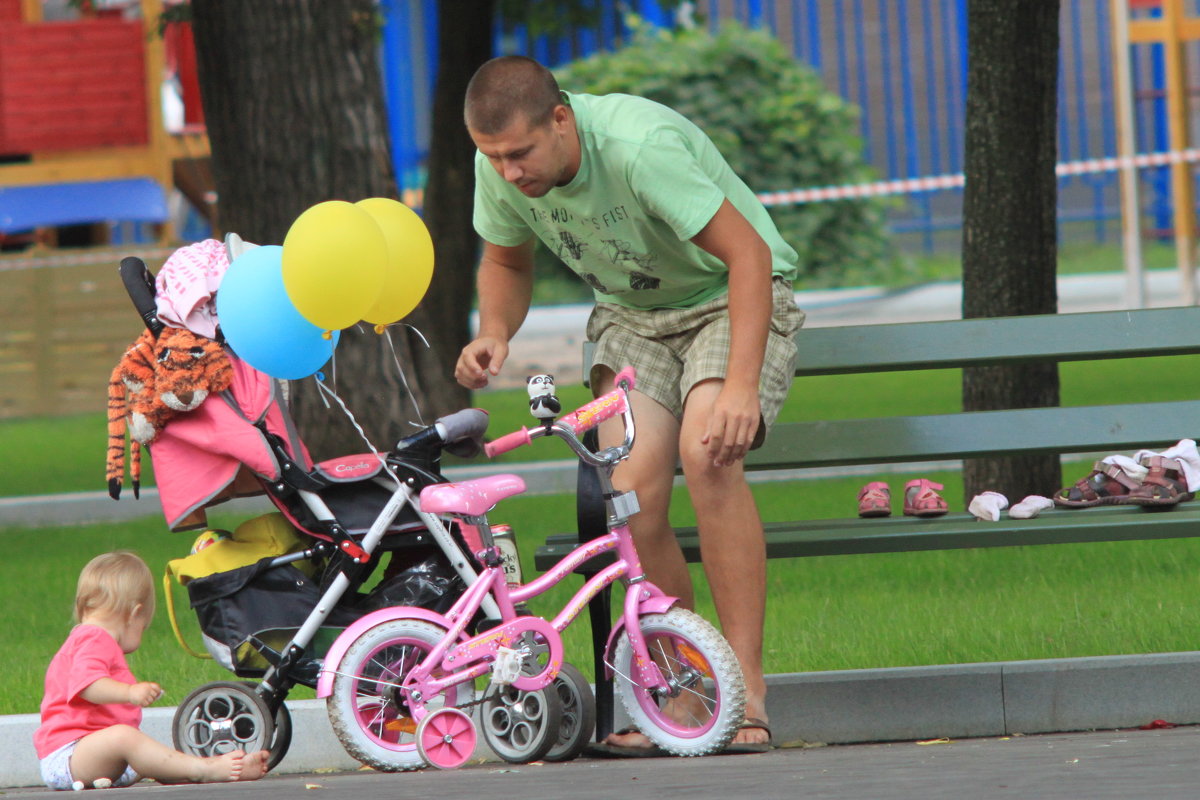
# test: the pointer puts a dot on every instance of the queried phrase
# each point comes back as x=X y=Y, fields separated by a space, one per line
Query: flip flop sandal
x=744 y=748
x=1106 y=485
x=606 y=750
x=920 y=499
x=875 y=500
x=1164 y=485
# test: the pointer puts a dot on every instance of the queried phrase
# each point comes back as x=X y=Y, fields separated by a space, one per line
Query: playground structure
x=82 y=131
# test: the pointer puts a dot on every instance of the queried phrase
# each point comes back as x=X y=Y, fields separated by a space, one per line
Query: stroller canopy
x=217 y=451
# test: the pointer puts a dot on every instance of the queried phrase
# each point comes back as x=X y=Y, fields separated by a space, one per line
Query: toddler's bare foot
x=254 y=765
x=226 y=767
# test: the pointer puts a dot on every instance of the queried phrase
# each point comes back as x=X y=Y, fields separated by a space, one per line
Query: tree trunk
x=463 y=45
x=1009 y=205
x=294 y=104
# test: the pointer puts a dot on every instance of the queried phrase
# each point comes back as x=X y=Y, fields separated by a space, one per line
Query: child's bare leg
x=106 y=753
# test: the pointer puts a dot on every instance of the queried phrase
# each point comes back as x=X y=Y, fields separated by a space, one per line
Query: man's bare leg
x=650 y=471
x=732 y=549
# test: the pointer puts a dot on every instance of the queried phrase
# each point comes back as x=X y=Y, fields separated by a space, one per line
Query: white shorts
x=56 y=770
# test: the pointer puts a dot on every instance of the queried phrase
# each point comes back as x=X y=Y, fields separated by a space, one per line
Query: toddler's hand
x=144 y=693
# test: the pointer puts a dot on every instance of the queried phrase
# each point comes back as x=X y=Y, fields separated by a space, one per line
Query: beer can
x=506 y=543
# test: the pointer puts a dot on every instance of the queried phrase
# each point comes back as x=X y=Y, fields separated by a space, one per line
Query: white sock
x=1031 y=506
x=987 y=506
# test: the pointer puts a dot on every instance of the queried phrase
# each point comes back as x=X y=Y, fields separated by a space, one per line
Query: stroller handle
x=139 y=283
x=460 y=433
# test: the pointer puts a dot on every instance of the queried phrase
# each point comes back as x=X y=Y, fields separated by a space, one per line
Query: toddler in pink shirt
x=92 y=708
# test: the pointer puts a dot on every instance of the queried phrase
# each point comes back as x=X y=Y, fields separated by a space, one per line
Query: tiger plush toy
x=155 y=380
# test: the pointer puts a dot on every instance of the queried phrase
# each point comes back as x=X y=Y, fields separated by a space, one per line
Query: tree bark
x=293 y=100
x=1009 y=215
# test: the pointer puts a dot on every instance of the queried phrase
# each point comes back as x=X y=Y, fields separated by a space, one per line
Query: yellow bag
x=267 y=536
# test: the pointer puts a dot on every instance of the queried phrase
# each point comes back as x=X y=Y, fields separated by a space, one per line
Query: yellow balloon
x=334 y=259
x=409 y=262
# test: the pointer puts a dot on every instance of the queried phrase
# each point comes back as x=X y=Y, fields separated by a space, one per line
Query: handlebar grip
x=509 y=441
x=626 y=379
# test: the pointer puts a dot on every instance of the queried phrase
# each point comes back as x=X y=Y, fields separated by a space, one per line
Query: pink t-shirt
x=90 y=653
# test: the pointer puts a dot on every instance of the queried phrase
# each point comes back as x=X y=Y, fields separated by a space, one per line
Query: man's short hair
x=507 y=88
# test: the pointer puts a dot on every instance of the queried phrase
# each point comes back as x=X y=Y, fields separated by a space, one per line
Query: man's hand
x=479 y=359
x=144 y=693
x=732 y=424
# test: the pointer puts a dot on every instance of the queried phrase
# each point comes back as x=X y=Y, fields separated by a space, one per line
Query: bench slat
x=1089 y=336
x=998 y=340
x=954 y=531
x=975 y=434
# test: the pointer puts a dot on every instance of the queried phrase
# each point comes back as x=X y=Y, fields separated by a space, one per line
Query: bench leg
x=600 y=611
x=591 y=519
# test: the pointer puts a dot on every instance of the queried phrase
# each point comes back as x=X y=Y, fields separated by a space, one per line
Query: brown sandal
x=1107 y=485
x=1164 y=485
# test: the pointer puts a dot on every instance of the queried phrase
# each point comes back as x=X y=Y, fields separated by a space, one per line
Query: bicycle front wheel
x=706 y=697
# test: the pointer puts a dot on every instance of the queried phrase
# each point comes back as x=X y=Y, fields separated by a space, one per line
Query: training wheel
x=446 y=738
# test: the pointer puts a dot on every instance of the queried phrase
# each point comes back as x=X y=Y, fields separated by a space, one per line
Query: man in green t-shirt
x=693 y=288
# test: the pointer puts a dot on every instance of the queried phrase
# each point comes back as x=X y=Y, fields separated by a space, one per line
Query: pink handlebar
x=580 y=420
x=604 y=407
x=509 y=441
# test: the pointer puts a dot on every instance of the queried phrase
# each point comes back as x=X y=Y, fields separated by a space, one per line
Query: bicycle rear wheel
x=706 y=700
x=369 y=711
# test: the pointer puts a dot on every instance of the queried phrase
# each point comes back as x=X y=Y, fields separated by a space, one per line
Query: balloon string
x=325 y=390
x=403 y=379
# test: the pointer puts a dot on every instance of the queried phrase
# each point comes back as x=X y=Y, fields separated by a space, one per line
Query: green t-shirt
x=649 y=180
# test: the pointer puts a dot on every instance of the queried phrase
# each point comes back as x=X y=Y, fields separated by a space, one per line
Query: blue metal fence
x=903 y=62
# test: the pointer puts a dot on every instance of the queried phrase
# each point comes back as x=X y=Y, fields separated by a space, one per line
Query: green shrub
x=773 y=120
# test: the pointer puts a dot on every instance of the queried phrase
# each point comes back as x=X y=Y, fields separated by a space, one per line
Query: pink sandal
x=920 y=499
x=875 y=500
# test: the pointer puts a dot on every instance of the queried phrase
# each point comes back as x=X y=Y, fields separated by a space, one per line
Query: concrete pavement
x=956 y=701
x=1102 y=765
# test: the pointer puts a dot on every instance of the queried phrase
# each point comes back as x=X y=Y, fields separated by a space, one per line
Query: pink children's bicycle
x=412 y=670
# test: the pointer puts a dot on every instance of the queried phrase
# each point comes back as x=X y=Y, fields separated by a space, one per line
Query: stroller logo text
x=350 y=468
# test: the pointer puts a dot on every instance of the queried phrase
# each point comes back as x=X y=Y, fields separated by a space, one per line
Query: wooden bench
x=1108 y=428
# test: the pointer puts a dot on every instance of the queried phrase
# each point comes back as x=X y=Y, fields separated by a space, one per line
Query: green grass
x=837 y=612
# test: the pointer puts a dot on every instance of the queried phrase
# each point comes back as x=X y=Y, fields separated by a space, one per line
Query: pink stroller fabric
x=216 y=453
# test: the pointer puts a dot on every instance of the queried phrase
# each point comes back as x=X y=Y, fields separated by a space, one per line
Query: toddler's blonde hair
x=114 y=583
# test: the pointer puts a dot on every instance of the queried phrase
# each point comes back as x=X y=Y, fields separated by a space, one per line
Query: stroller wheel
x=521 y=726
x=282 y=738
x=225 y=716
x=578 y=714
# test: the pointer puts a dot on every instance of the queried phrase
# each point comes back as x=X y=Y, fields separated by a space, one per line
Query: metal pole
x=1135 y=283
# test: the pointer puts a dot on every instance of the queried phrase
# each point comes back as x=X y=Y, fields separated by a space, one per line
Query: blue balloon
x=260 y=323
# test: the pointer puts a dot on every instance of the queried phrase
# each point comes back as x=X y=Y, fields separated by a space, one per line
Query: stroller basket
x=249 y=615
x=260 y=601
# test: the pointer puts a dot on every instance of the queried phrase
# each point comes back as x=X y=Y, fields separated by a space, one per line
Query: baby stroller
x=271 y=620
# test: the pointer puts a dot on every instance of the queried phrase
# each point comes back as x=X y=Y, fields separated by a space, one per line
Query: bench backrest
x=986 y=342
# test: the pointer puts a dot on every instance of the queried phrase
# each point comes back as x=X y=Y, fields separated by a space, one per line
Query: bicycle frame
x=459 y=660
